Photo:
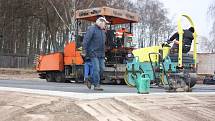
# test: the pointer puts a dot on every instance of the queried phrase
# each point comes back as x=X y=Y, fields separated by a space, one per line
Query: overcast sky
x=197 y=9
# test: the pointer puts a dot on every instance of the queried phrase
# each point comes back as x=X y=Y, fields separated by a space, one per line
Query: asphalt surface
x=81 y=88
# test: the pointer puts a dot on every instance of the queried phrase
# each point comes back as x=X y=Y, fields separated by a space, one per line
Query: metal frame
x=114 y=16
x=180 y=32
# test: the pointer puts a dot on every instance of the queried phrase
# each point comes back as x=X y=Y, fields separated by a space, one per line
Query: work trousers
x=98 y=68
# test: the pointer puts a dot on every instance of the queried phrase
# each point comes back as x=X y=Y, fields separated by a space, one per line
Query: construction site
x=99 y=60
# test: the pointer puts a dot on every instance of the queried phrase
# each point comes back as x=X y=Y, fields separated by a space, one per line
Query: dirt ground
x=30 y=107
x=15 y=106
x=18 y=74
x=164 y=107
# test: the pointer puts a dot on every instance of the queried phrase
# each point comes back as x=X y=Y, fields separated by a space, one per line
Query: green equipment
x=156 y=65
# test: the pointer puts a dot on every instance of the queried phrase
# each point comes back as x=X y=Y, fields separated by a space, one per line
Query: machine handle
x=164 y=70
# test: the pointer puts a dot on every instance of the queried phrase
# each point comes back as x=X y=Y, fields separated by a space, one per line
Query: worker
x=120 y=32
x=94 y=48
x=120 y=36
x=187 y=41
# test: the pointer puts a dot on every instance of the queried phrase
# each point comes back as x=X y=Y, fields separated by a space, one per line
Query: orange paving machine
x=60 y=66
x=68 y=65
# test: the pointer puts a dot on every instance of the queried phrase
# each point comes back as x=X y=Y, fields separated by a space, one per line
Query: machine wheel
x=177 y=84
x=126 y=79
x=191 y=83
x=190 y=79
x=50 y=77
x=183 y=81
x=60 y=77
x=79 y=75
x=42 y=76
x=118 y=81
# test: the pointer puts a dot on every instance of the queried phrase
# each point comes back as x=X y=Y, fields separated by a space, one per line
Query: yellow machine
x=174 y=71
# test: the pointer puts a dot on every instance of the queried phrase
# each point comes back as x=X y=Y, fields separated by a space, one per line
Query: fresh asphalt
x=81 y=88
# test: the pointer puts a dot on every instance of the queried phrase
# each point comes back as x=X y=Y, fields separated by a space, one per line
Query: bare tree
x=154 y=26
x=211 y=12
x=29 y=27
x=28 y=24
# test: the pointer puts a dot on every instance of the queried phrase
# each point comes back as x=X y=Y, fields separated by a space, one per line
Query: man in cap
x=94 y=49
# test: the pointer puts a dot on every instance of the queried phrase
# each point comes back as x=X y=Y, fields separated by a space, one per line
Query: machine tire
x=50 y=77
x=42 y=75
x=192 y=82
x=118 y=81
x=60 y=77
x=79 y=75
x=126 y=79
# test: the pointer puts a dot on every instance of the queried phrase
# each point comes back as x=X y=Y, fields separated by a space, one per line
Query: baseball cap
x=103 y=18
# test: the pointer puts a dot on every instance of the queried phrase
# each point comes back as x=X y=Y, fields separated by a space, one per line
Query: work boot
x=88 y=83
x=98 y=88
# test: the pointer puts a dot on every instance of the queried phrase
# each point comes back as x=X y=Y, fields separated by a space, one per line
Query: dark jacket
x=187 y=37
x=94 y=42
